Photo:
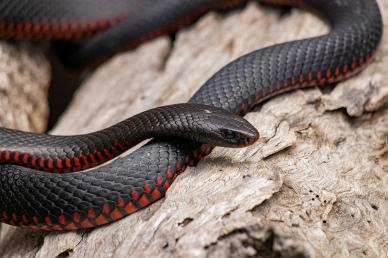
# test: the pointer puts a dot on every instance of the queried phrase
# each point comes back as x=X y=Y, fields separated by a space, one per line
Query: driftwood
x=315 y=185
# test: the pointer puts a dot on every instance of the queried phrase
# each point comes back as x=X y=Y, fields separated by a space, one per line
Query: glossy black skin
x=240 y=85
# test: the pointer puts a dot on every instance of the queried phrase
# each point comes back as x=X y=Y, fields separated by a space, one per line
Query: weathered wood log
x=315 y=185
x=24 y=80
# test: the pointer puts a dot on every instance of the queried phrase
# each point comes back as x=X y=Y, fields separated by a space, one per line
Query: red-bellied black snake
x=69 y=201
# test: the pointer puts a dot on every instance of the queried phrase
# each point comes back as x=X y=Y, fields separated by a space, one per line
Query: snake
x=36 y=199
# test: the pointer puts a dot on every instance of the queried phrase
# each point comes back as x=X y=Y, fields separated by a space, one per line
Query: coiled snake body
x=70 y=201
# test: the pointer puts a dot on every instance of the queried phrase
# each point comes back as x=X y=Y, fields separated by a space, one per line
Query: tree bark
x=315 y=184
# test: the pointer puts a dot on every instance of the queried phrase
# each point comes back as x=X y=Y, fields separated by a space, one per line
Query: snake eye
x=227 y=134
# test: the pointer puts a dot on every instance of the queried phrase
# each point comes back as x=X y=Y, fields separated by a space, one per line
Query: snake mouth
x=252 y=140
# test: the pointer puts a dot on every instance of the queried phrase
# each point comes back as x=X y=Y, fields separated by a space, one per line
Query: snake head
x=201 y=123
x=230 y=130
x=219 y=127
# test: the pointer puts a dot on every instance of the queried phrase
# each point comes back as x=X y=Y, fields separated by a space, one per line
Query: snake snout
x=237 y=132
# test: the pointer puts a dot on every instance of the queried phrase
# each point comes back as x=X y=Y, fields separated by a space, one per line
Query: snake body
x=48 y=201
